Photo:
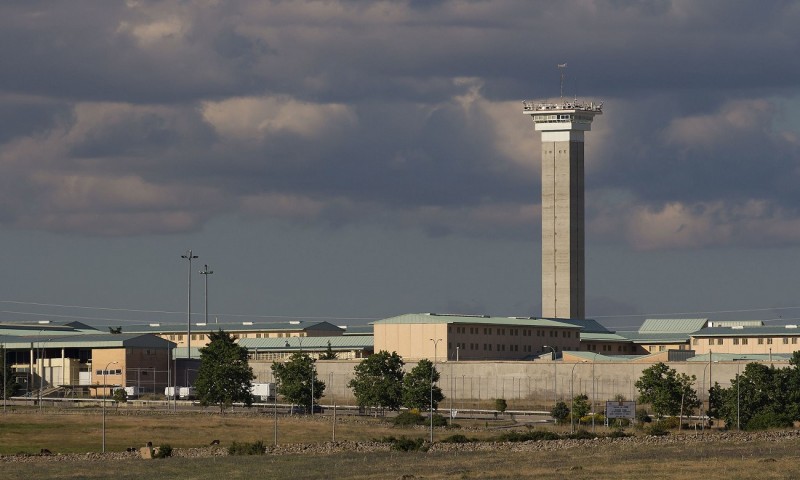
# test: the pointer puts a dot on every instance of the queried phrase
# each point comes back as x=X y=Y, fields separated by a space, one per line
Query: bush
x=619 y=423
x=657 y=429
x=163 y=451
x=458 y=439
x=500 y=405
x=405 y=444
x=245 y=448
x=670 y=423
x=533 y=435
x=407 y=419
x=618 y=434
x=642 y=416
x=582 y=435
x=438 y=421
x=766 y=420
x=560 y=412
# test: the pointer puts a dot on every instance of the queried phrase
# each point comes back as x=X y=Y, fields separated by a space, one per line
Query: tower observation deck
x=563 y=124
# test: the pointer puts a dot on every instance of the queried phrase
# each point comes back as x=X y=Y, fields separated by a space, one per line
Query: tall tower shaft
x=563 y=250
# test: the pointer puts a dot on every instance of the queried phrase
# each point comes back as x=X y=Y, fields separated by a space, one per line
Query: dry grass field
x=68 y=432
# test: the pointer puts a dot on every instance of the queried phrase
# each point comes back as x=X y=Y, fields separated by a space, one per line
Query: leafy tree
x=10 y=385
x=119 y=396
x=294 y=379
x=667 y=392
x=378 y=381
x=500 y=405
x=224 y=376
x=580 y=406
x=560 y=412
x=760 y=397
x=419 y=385
x=329 y=354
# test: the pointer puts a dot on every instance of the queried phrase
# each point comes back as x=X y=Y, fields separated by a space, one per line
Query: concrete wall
x=527 y=381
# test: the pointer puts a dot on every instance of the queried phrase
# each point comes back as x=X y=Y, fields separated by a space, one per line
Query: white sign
x=620 y=409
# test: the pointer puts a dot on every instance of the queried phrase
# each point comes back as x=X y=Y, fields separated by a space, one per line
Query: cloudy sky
x=360 y=159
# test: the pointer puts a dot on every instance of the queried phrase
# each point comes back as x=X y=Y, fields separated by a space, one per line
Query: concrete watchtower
x=562 y=124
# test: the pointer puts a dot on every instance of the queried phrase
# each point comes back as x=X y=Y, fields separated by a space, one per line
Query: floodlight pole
x=554 y=373
x=206 y=272
x=433 y=367
x=189 y=256
x=105 y=394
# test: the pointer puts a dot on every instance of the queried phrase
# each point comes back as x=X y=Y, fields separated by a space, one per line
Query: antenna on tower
x=561 y=67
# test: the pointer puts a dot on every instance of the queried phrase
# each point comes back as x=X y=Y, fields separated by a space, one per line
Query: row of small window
x=607 y=348
x=108 y=372
x=202 y=336
x=488 y=347
x=513 y=332
x=743 y=341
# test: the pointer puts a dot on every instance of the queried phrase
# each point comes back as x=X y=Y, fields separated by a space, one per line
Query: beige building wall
x=754 y=344
x=105 y=357
x=563 y=261
x=646 y=348
x=472 y=341
x=608 y=348
x=200 y=340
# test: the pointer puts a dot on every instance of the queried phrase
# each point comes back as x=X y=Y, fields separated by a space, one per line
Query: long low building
x=473 y=337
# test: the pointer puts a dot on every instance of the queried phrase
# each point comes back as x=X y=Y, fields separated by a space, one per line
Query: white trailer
x=133 y=391
x=263 y=391
x=169 y=392
x=186 y=392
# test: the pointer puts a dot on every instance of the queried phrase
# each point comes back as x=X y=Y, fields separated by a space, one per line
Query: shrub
x=438 y=421
x=245 y=448
x=407 y=419
x=620 y=423
x=765 y=420
x=163 y=451
x=458 y=439
x=405 y=444
x=535 y=435
x=670 y=423
x=500 y=405
x=618 y=434
x=657 y=429
x=642 y=416
x=560 y=412
x=582 y=434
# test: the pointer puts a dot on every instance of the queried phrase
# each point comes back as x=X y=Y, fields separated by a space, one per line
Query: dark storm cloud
x=344 y=111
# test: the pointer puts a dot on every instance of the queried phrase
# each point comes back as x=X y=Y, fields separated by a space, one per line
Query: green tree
x=10 y=385
x=560 y=412
x=419 y=385
x=329 y=354
x=760 y=397
x=295 y=378
x=224 y=376
x=500 y=404
x=378 y=381
x=119 y=396
x=667 y=392
x=580 y=406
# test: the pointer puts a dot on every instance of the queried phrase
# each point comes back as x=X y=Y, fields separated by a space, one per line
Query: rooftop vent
x=155 y=324
x=247 y=323
x=737 y=327
x=203 y=324
x=43 y=322
x=791 y=326
x=294 y=322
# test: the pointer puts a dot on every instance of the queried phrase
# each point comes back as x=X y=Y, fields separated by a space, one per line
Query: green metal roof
x=254 y=326
x=603 y=337
x=436 y=318
x=587 y=325
x=655 y=338
x=672 y=325
x=49 y=329
x=106 y=340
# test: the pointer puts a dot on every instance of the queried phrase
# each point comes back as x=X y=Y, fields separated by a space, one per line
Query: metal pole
x=275 y=415
x=189 y=256
x=435 y=344
x=105 y=394
x=206 y=272
x=738 y=383
x=554 y=372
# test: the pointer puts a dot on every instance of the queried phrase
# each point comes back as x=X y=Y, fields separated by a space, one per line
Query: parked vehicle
x=263 y=392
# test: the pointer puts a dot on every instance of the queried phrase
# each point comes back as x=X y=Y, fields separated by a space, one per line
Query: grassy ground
x=71 y=432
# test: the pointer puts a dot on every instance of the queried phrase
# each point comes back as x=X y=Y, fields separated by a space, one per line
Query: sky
x=353 y=160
